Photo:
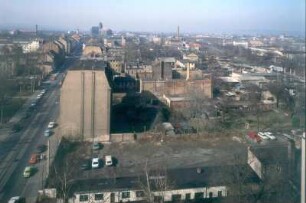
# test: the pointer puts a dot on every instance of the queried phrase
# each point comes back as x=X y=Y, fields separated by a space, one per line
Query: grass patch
x=11 y=108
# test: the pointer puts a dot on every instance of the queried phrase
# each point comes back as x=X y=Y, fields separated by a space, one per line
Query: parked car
x=108 y=160
x=262 y=136
x=51 y=124
x=17 y=199
x=41 y=148
x=27 y=171
x=47 y=133
x=96 y=146
x=270 y=136
x=85 y=165
x=95 y=163
x=34 y=159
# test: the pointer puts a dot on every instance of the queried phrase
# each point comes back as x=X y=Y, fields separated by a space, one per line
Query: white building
x=31 y=47
x=176 y=185
x=241 y=44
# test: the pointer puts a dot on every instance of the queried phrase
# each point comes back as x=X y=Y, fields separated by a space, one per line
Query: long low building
x=85 y=102
x=185 y=184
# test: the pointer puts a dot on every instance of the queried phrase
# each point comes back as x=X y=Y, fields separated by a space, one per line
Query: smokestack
x=178 y=32
x=36 y=29
x=188 y=72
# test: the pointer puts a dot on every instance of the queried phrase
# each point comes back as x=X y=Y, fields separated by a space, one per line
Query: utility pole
x=303 y=168
x=48 y=161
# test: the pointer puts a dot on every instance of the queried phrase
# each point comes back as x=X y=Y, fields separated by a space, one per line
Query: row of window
x=100 y=196
x=140 y=193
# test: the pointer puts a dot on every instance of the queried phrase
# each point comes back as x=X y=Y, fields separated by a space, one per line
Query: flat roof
x=89 y=64
x=272 y=154
x=182 y=178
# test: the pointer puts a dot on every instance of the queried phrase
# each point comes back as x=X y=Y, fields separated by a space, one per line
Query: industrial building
x=85 y=102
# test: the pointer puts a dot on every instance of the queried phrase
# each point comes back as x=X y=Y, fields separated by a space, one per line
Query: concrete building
x=31 y=47
x=66 y=43
x=191 y=185
x=243 y=44
x=191 y=57
x=95 y=30
x=162 y=69
x=92 y=52
x=85 y=102
x=272 y=162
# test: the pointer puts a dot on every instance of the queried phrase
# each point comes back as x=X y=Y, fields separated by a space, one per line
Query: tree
x=62 y=181
x=277 y=89
x=155 y=184
x=196 y=110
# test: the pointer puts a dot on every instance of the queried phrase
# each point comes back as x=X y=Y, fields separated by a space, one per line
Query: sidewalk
x=19 y=115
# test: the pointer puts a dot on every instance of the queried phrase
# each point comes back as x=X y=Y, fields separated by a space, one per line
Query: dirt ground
x=132 y=158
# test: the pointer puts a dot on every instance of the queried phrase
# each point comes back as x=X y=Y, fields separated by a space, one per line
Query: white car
x=95 y=163
x=16 y=199
x=262 y=136
x=51 y=124
x=108 y=160
x=270 y=136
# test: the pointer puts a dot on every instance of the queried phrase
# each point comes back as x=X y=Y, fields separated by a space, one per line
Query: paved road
x=17 y=148
x=12 y=182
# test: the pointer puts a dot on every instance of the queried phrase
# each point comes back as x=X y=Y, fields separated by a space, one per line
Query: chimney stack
x=188 y=72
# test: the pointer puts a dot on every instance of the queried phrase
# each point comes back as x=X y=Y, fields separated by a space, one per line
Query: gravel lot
x=132 y=158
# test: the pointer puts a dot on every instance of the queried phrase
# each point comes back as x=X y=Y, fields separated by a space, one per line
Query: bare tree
x=155 y=183
x=62 y=180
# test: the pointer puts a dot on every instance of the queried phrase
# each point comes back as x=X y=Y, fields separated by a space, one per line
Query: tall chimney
x=188 y=72
x=36 y=29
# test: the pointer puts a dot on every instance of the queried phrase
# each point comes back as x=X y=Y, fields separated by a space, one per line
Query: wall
x=255 y=164
x=177 y=87
x=167 y=195
x=85 y=105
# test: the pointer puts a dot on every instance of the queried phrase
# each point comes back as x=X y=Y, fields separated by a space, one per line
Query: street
x=17 y=148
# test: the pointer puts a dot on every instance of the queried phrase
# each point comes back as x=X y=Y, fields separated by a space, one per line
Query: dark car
x=41 y=148
x=96 y=146
x=85 y=165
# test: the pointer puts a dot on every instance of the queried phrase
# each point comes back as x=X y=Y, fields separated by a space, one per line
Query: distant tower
x=36 y=29
x=100 y=28
x=178 y=32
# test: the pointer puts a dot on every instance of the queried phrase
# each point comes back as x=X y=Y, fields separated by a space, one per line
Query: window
x=188 y=196
x=199 y=195
x=140 y=193
x=158 y=198
x=176 y=197
x=125 y=195
x=219 y=193
x=99 y=196
x=83 y=198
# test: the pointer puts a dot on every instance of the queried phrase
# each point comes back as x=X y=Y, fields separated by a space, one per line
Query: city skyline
x=275 y=16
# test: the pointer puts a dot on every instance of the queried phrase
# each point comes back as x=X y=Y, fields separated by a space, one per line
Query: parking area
x=131 y=159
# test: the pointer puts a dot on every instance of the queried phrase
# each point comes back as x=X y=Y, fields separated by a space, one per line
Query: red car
x=34 y=159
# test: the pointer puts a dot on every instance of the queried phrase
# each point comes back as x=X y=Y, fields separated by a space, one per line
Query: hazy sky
x=157 y=15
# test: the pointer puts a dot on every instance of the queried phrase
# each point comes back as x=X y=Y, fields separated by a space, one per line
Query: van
x=108 y=160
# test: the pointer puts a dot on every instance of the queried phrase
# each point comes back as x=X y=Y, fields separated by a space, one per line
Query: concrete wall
x=177 y=87
x=255 y=164
x=85 y=105
x=162 y=70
